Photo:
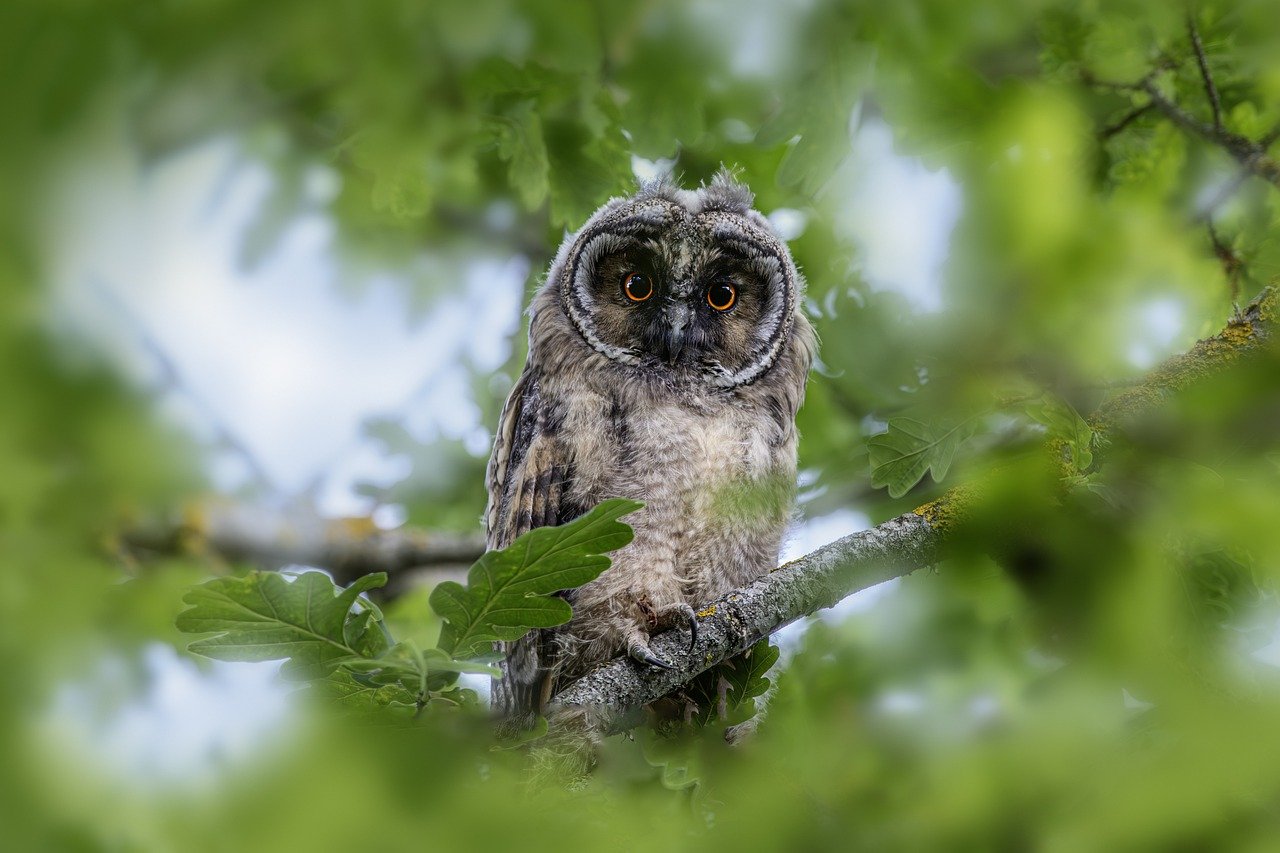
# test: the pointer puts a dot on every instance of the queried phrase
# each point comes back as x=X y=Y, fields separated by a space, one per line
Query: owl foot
x=655 y=620
x=668 y=614
x=638 y=649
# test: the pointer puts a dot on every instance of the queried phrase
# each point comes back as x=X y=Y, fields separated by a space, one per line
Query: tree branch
x=1270 y=138
x=604 y=700
x=737 y=620
x=1232 y=264
x=1252 y=156
x=347 y=548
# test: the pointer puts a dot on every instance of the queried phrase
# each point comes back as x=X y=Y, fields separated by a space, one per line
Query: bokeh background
x=275 y=256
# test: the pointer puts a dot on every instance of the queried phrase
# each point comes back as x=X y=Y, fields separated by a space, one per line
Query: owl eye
x=637 y=287
x=722 y=295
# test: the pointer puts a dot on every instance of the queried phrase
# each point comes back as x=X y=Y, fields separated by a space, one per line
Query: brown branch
x=604 y=701
x=1251 y=155
x=347 y=547
x=1220 y=197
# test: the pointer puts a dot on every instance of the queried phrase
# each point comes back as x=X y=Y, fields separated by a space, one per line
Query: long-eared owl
x=667 y=359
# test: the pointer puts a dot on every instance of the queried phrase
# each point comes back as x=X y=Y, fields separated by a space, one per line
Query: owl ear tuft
x=662 y=186
x=726 y=193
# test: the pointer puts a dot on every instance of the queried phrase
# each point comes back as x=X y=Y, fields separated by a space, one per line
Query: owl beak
x=672 y=340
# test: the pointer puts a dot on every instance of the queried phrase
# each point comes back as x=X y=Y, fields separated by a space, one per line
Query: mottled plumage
x=671 y=399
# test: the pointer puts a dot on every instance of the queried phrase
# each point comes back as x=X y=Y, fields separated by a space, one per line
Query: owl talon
x=641 y=652
x=691 y=618
x=665 y=617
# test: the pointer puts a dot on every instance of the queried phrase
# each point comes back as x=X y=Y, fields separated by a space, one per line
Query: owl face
x=685 y=284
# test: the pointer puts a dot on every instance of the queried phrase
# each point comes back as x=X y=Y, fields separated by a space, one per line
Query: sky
x=278 y=358
x=275 y=367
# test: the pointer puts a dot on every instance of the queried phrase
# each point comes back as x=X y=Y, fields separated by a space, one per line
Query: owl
x=667 y=359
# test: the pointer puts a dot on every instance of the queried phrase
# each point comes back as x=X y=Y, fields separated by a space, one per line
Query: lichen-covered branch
x=735 y=621
x=1245 y=332
x=605 y=697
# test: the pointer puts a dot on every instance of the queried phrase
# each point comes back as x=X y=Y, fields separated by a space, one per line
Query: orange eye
x=637 y=287
x=722 y=295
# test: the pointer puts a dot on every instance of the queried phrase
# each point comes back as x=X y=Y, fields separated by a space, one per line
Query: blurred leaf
x=512 y=590
x=520 y=143
x=1065 y=424
x=586 y=169
x=903 y=454
x=264 y=616
x=817 y=114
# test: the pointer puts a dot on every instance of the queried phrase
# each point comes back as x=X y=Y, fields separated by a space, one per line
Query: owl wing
x=526 y=477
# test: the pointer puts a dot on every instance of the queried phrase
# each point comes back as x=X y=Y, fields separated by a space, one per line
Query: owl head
x=680 y=284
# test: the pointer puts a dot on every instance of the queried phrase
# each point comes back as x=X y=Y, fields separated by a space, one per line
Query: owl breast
x=716 y=477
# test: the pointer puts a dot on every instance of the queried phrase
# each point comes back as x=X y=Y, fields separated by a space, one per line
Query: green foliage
x=331 y=637
x=338 y=639
x=512 y=590
x=266 y=616
x=1065 y=425
x=745 y=679
x=519 y=139
x=909 y=449
x=1094 y=669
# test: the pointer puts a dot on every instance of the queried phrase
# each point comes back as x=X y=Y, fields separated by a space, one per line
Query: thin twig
x=1210 y=89
x=1270 y=138
x=1128 y=119
x=1232 y=264
x=1222 y=195
x=1249 y=154
x=171 y=379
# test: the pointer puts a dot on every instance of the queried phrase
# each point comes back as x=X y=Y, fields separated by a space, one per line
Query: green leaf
x=818 y=113
x=901 y=456
x=520 y=144
x=748 y=678
x=264 y=616
x=745 y=677
x=357 y=693
x=512 y=590
x=1064 y=423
